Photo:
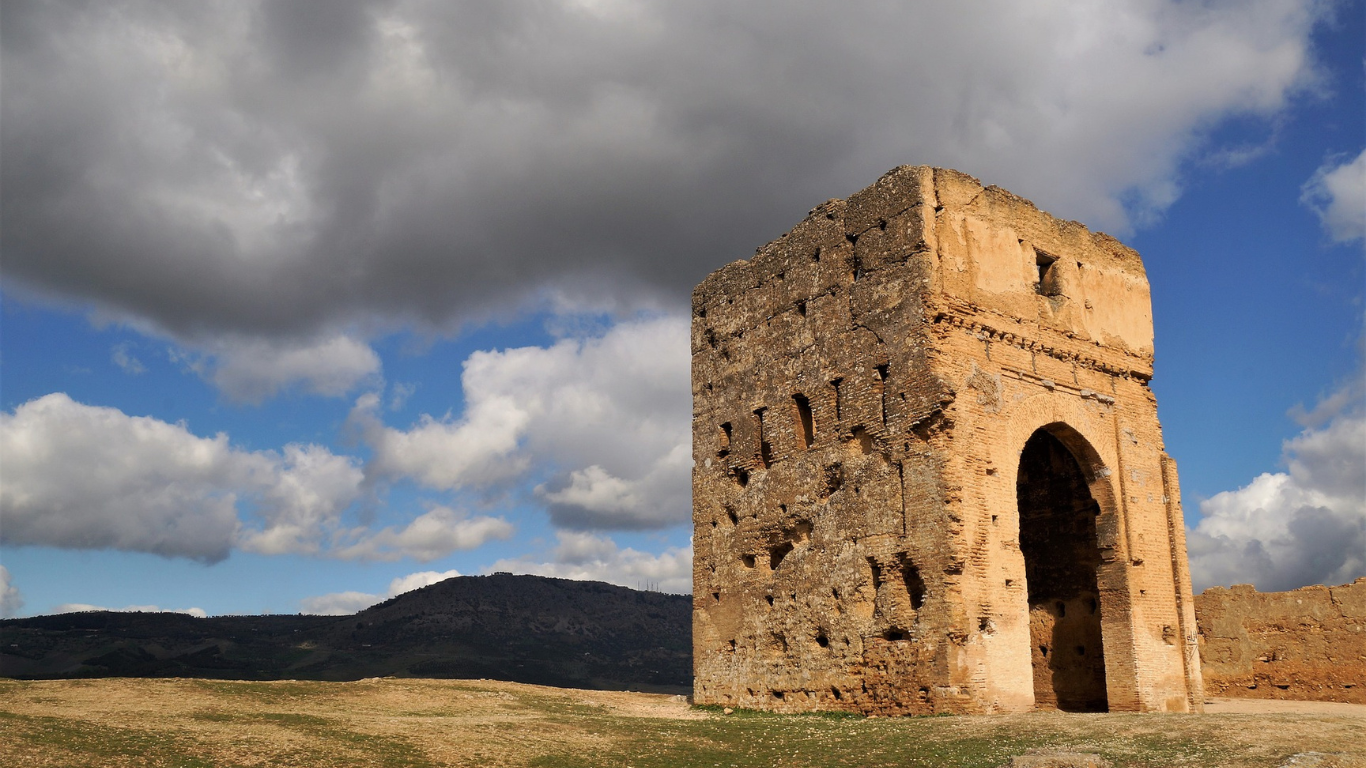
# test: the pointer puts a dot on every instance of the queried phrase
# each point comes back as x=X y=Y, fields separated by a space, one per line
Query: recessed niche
x=1048 y=284
x=805 y=420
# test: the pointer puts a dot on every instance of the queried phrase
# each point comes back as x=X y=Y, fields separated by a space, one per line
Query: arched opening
x=1058 y=540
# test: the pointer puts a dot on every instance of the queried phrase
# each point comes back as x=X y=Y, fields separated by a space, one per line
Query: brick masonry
x=928 y=471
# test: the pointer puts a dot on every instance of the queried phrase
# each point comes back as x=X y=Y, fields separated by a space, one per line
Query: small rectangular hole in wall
x=1048 y=273
x=723 y=441
x=915 y=586
x=861 y=439
x=777 y=554
x=805 y=419
x=876 y=571
x=880 y=382
x=834 y=479
x=835 y=385
x=765 y=448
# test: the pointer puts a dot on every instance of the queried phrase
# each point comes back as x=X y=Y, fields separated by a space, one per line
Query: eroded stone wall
x=863 y=390
x=1307 y=644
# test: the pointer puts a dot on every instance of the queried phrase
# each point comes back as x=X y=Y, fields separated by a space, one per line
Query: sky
x=307 y=304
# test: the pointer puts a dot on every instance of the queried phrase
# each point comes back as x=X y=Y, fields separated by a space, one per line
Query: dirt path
x=1282 y=707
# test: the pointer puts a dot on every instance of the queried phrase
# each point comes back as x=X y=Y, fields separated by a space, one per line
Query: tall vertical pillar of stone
x=928 y=471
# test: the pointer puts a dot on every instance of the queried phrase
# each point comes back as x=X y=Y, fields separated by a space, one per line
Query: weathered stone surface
x=1307 y=644
x=928 y=472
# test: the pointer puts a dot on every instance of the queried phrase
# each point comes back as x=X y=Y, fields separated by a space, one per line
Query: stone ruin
x=1307 y=644
x=928 y=471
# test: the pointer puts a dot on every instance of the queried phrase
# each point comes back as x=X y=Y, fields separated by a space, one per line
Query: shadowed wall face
x=1058 y=539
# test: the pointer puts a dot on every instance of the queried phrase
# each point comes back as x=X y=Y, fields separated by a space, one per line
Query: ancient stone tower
x=928 y=474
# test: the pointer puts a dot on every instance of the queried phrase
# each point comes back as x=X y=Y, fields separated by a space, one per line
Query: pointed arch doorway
x=1058 y=540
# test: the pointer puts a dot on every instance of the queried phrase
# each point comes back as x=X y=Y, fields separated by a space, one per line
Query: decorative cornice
x=947 y=316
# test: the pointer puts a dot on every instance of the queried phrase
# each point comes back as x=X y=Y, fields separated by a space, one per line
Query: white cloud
x=589 y=557
x=445 y=454
x=88 y=477
x=125 y=360
x=1337 y=193
x=347 y=603
x=418 y=580
x=399 y=394
x=432 y=535
x=254 y=369
x=309 y=490
x=94 y=478
x=10 y=598
x=80 y=607
x=594 y=498
x=338 y=603
x=1289 y=529
x=608 y=417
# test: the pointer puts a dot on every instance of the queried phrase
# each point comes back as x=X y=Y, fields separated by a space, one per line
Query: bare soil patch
x=1283 y=707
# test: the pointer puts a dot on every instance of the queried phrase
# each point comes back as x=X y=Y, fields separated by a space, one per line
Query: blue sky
x=308 y=304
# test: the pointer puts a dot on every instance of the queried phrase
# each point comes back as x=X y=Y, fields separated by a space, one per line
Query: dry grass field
x=402 y=722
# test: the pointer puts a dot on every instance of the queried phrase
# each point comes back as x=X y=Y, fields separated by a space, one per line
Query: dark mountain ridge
x=529 y=629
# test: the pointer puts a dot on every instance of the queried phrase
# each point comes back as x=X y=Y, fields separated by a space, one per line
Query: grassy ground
x=126 y=722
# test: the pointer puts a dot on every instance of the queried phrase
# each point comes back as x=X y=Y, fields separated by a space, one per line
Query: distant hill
x=526 y=629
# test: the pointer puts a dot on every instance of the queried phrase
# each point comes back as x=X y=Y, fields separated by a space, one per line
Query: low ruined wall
x=1309 y=643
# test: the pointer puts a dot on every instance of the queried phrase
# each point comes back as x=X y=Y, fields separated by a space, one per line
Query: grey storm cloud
x=282 y=169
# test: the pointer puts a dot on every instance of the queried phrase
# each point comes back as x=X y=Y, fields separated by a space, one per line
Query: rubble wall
x=1307 y=644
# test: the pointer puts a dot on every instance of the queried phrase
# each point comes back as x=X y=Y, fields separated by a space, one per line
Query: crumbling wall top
x=983 y=247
